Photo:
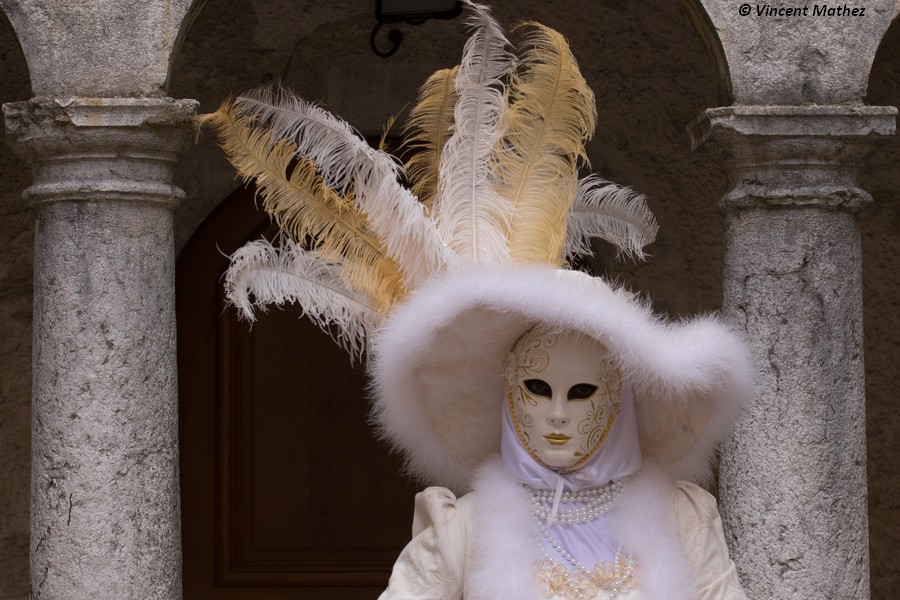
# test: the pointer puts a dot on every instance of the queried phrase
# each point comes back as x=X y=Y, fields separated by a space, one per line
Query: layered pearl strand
x=592 y=504
x=579 y=583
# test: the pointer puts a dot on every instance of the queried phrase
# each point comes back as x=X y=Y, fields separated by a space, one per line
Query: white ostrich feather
x=288 y=274
x=612 y=212
x=348 y=164
x=471 y=216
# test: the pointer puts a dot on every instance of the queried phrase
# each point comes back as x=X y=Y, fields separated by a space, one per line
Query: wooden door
x=285 y=493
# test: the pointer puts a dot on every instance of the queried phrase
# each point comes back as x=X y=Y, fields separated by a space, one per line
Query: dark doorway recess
x=285 y=493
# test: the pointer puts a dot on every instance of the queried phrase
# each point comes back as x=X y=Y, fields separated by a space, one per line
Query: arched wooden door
x=285 y=493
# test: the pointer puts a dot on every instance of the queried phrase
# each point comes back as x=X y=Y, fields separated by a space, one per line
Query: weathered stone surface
x=104 y=508
x=98 y=48
x=793 y=475
x=772 y=57
x=104 y=475
x=794 y=155
x=68 y=143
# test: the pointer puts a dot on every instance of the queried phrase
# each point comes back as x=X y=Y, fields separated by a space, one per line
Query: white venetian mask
x=564 y=392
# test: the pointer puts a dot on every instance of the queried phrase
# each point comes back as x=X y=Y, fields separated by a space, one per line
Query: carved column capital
x=101 y=148
x=793 y=155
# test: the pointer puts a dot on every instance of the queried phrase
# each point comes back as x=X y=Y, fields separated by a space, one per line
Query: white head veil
x=618 y=457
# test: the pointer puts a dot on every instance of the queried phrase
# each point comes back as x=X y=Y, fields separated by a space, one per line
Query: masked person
x=571 y=448
x=567 y=425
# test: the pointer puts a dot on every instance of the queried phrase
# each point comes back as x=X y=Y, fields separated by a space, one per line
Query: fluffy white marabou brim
x=437 y=367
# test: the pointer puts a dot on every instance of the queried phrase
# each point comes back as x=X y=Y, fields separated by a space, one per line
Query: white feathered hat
x=438 y=367
x=439 y=280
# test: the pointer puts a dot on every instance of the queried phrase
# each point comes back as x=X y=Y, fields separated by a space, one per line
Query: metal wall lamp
x=413 y=12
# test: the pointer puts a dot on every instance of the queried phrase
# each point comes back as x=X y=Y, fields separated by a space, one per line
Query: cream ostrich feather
x=288 y=274
x=552 y=114
x=429 y=126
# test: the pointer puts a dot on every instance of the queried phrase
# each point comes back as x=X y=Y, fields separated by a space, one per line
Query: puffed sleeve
x=432 y=564
x=703 y=542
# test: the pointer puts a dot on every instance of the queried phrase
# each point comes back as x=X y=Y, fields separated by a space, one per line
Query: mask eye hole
x=538 y=387
x=581 y=391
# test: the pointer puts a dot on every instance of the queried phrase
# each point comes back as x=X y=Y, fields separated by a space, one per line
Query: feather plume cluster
x=497 y=142
x=347 y=163
x=302 y=205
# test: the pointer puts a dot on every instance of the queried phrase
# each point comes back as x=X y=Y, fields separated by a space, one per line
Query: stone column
x=104 y=478
x=793 y=475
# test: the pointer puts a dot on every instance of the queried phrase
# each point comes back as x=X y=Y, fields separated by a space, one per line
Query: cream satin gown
x=432 y=566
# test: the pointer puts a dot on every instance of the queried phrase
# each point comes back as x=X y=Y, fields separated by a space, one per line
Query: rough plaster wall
x=880 y=226
x=16 y=252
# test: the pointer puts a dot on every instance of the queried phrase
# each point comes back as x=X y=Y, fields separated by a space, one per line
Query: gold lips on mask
x=564 y=392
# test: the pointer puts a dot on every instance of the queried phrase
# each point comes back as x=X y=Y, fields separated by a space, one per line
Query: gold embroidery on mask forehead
x=530 y=351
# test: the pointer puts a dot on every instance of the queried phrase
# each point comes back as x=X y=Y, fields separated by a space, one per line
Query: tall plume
x=427 y=130
x=552 y=114
x=470 y=215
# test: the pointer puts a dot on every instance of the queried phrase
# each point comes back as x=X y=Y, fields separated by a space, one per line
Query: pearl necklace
x=593 y=504
x=579 y=583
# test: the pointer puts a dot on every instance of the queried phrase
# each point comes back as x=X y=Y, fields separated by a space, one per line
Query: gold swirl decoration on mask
x=605 y=406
